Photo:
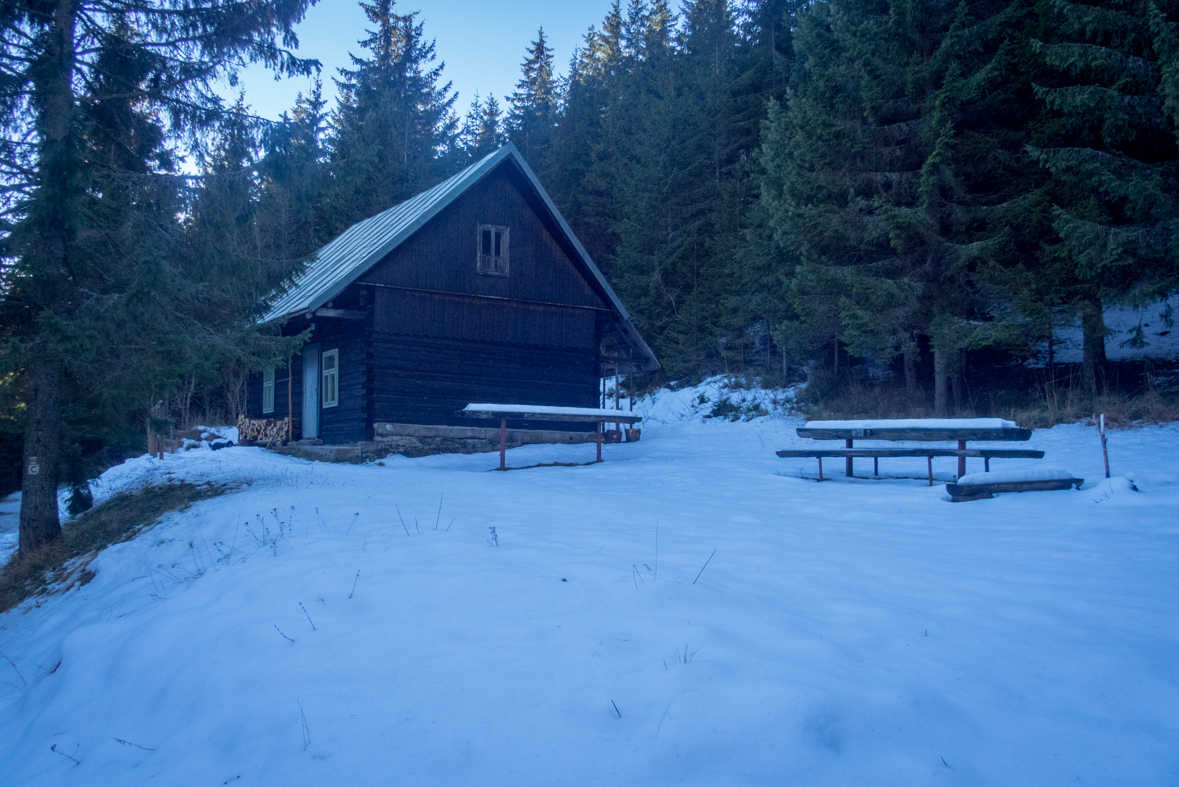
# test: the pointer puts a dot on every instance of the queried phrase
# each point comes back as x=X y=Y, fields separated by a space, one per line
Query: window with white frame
x=493 y=250
x=330 y=390
x=268 y=390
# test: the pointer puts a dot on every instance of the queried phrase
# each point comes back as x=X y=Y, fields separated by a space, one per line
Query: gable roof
x=345 y=259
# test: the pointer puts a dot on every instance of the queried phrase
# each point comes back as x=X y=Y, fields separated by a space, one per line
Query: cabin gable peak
x=356 y=251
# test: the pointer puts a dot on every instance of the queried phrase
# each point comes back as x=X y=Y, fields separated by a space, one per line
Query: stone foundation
x=419 y=440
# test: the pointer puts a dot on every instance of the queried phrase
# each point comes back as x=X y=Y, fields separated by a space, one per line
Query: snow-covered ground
x=9 y=525
x=1162 y=341
x=691 y=611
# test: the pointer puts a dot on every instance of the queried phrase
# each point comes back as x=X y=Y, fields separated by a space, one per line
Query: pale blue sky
x=482 y=44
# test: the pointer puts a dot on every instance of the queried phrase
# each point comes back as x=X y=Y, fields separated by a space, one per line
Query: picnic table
x=960 y=430
x=539 y=412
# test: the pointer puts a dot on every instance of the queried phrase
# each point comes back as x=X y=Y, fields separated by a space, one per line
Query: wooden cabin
x=476 y=290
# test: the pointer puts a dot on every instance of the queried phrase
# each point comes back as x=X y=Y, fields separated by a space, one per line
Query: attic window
x=493 y=250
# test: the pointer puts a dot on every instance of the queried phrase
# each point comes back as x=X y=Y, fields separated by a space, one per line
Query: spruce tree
x=58 y=297
x=292 y=178
x=704 y=199
x=582 y=154
x=1112 y=154
x=898 y=172
x=645 y=133
x=393 y=119
x=533 y=105
x=483 y=131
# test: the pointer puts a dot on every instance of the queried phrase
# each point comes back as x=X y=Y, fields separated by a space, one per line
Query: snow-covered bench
x=538 y=412
x=917 y=430
x=981 y=486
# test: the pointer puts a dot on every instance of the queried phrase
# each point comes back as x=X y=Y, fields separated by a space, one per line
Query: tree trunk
x=50 y=285
x=956 y=389
x=941 y=379
x=39 y=523
x=1093 y=353
x=911 y=371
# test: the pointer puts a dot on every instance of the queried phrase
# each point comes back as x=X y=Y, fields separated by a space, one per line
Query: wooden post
x=599 y=441
x=929 y=463
x=1104 y=450
x=987 y=464
x=503 y=443
x=876 y=465
x=290 y=403
x=617 y=425
x=961 y=458
x=820 y=468
x=848 y=468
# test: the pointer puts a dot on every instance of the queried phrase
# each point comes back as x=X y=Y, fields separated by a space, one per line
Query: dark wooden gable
x=444 y=334
x=430 y=284
x=441 y=256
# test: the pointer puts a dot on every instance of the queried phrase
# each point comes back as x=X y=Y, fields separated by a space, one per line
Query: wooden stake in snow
x=1104 y=450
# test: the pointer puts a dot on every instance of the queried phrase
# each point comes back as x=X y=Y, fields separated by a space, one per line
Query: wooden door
x=310 y=391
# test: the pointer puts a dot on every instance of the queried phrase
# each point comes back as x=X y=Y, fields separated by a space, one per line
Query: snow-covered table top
x=915 y=423
x=540 y=412
x=916 y=429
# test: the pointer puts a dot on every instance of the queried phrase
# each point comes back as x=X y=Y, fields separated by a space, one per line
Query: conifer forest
x=904 y=197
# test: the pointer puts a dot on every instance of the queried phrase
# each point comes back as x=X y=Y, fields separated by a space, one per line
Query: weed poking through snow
x=706 y=562
x=494 y=540
x=665 y=715
x=13 y=665
x=306 y=729
x=308 y=614
x=266 y=536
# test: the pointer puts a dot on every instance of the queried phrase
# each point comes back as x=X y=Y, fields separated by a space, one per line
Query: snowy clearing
x=430 y=622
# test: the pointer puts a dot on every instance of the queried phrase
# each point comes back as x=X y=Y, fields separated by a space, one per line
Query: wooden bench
x=960 y=430
x=530 y=412
x=961 y=493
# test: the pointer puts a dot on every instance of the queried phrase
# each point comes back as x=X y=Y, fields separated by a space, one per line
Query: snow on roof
x=364 y=244
x=916 y=423
x=541 y=409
